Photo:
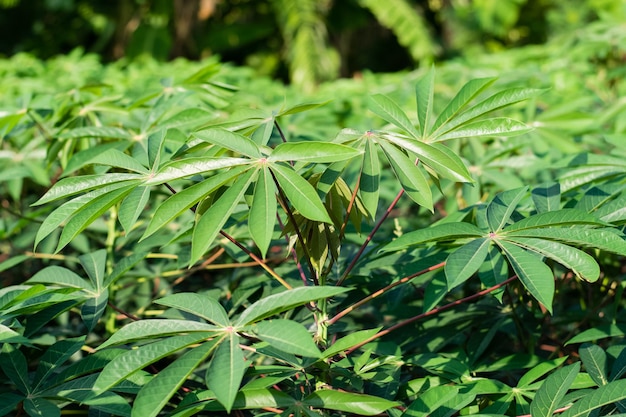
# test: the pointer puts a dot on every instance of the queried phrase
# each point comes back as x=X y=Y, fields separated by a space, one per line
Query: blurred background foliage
x=303 y=41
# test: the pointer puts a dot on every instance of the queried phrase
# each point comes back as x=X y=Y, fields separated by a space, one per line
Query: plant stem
x=432 y=312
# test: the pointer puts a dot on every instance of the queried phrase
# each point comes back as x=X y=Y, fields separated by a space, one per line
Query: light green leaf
x=360 y=404
x=436 y=156
x=497 y=126
x=192 y=166
x=389 y=111
x=467 y=93
x=600 y=332
x=582 y=264
x=157 y=392
x=262 y=217
x=93 y=308
x=465 y=261
x=608 y=240
x=200 y=305
x=187 y=117
x=132 y=207
x=369 y=184
x=444 y=231
x=536 y=276
x=424 y=92
x=595 y=361
x=283 y=301
x=300 y=193
x=547 y=197
x=607 y=394
x=57 y=275
x=96 y=132
x=74 y=185
x=118 y=159
x=324 y=152
x=563 y=217
x=85 y=156
x=230 y=140
x=286 y=335
x=549 y=396
x=212 y=220
x=539 y=371
x=87 y=214
x=226 y=370
x=122 y=366
x=182 y=201
x=410 y=176
x=499 y=210
x=146 y=329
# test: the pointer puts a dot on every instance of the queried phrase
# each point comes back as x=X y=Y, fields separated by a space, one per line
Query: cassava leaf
x=465 y=261
x=262 y=217
x=549 y=396
x=199 y=305
x=226 y=370
x=312 y=152
x=230 y=140
x=389 y=111
x=441 y=232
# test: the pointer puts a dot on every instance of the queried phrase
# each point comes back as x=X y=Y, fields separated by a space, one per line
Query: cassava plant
x=310 y=230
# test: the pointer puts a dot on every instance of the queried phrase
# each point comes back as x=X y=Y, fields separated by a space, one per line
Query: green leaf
x=600 y=332
x=536 y=276
x=87 y=214
x=118 y=159
x=436 y=156
x=467 y=93
x=93 y=308
x=36 y=407
x=579 y=262
x=131 y=361
x=549 y=396
x=540 y=370
x=230 y=140
x=547 y=197
x=444 y=231
x=94 y=263
x=500 y=209
x=200 y=305
x=424 y=92
x=8 y=402
x=324 y=152
x=262 y=217
x=96 y=132
x=211 y=222
x=360 y=404
x=182 y=201
x=288 y=336
x=608 y=240
x=369 y=183
x=157 y=392
x=497 y=126
x=57 y=275
x=431 y=400
x=132 y=207
x=192 y=166
x=74 y=185
x=283 y=301
x=299 y=108
x=14 y=366
x=557 y=218
x=607 y=394
x=147 y=329
x=389 y=111
x=226 y=370
x=54 y=357
x=410 y=176
x=595 y=361
x=348 y=341
x=300 y=193
x=86 y=156
x=465 y=261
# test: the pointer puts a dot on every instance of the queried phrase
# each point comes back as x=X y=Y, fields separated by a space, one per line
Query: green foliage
x=426 y=243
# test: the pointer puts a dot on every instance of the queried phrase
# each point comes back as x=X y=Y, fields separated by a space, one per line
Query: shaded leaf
x=607 y=394
x=549 y=396
x=361 y=404
x=465 y=261
x=288 y=336
x=595 y=361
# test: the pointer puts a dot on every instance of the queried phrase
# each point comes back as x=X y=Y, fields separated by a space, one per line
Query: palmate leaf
x=360 y=404
x=283 y=301
x=121 y=366
x=323 y=152
x=200 y=305
x=300 y=193
x=286 y=335
x=440 y=232
x=211 y=222
x=410 y=176
x=262 y=217
x=230 y=140
x=549 y=396
x=226 y=370
x=608 y=394
x=465 y=261
x=389 y=111
x=157 y=392
x=536 y=276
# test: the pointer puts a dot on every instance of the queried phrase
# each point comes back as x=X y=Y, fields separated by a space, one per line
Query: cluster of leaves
x=441 y=246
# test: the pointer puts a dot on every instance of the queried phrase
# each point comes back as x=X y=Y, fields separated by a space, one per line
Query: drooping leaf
x=360 y=404
x=549 y=396
x=283 y=301
x=288 y=336
x=200 y=305
x=211 y=222
x=69 y=186
x=226 y=370
x=324 y=152
x=54 y=357
x=536 y=276
x=440 y=232
x=262 y=217
x=465 y=261
x=157 y=392
x=300 y=193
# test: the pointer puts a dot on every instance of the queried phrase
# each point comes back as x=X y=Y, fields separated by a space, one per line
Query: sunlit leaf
x=595 y=361
x=199 y=305
x=226 y=370
x=230 y=140
x=287 y=335
x=389 y=111
x=361 y=404
x=608 y=394
x=497 y=126
x=369 y=184
x=502 y=207
x=549 y=396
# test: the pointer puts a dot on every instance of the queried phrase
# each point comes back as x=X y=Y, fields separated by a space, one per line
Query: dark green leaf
x=465 y=261
x=325 y=152
x=365 y=405
x=262 y=217
x=549 y=396
x=607 y=394
x=502 y=207
x=226 y=370
x=288 y=336
x=595 y=362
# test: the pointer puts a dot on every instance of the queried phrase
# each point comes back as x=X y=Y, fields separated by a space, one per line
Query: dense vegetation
x=191 y=238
